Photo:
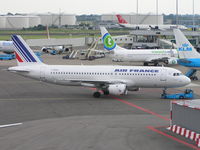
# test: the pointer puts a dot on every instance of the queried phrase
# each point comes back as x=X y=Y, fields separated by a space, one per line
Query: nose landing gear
x=163 y=95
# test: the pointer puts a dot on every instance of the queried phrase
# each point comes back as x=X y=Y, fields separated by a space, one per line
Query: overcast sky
x=97 y=6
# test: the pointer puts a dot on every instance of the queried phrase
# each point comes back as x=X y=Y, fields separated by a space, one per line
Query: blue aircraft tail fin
x=185 y=48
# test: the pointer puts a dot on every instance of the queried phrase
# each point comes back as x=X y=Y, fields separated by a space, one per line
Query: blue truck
x=188 y=94
x=7 y=56
x=12 y=56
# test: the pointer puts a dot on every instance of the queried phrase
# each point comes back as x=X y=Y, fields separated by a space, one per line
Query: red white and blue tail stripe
x=23 y=52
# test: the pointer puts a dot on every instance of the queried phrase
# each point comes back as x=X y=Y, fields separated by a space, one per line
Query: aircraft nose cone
x=187 y=80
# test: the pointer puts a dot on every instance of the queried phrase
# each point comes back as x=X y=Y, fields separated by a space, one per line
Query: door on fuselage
x=163 y=75
x=42 y=73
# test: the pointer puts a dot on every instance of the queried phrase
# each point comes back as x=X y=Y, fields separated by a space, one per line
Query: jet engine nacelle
x=117 y=89
x=53 y=48
x=172 y=61
x=46 y=49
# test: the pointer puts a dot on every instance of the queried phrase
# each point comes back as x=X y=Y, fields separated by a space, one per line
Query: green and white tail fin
x=184 y=47
x=108 y=42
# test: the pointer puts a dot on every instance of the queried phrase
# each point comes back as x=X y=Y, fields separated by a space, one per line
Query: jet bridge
x=157 y=36
x=192 y=74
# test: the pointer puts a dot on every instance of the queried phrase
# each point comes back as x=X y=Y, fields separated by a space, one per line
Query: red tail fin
x=121 y=20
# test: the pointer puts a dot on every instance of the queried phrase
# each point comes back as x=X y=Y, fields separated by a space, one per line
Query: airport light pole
x=193 y=19
x=177 y=12
x=157 y=12
x=137 y=11
x=137 y=7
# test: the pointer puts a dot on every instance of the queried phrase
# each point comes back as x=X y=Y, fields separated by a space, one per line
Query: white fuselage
x=143 y=55
x=132 y=76
x=134 y=26
x=160 y=27
x=6 y=46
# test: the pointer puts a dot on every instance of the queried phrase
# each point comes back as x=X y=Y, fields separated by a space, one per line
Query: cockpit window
x=177 y=74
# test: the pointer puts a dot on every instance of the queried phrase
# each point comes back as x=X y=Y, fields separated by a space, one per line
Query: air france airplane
x=116 y=80
x=168 y=56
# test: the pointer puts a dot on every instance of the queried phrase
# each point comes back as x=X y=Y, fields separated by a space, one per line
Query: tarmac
x=53 y=117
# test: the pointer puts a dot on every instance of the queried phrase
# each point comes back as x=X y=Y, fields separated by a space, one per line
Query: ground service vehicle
x=188 y=94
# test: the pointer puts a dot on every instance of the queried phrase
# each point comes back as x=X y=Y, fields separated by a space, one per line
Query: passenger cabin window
x=177 y=74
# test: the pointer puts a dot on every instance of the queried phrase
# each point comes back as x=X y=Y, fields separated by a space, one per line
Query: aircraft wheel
x=97 y=94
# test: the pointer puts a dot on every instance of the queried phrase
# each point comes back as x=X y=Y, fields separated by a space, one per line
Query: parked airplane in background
x=54 y=49
x=115 y=80
x=188 y=56
x=123 y=23
x=168 y=56
x=6 y=47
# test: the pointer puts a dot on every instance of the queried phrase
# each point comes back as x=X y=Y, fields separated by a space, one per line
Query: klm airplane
x=188 y=56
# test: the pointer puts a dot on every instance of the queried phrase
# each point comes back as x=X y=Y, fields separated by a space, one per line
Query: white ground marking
x=10 y=125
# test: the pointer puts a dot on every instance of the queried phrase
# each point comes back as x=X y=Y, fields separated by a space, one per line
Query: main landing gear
x=106 y=92
x=97 y=94
x=152 y=63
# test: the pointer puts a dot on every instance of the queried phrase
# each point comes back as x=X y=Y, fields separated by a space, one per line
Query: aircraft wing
x=166 y=60
x=158 y=59
x=98 y=83
x=17 y=69
x=153 y=27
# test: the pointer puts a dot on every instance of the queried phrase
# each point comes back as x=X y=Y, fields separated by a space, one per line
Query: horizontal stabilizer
x=18 y=69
